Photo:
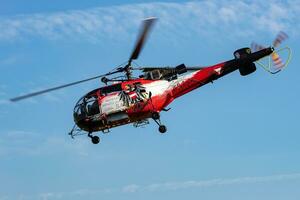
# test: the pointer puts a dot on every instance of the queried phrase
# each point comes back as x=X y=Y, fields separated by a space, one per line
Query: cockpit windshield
x=86 y=106
x=89 y=106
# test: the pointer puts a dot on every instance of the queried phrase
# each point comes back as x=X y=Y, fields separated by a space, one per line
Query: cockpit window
x=86 y=106
x=89 y=106
x=92 y=107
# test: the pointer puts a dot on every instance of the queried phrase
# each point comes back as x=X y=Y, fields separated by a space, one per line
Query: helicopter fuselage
x=136 y=100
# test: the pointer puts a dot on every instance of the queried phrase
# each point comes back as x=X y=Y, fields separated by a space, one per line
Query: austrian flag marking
x=218 y=70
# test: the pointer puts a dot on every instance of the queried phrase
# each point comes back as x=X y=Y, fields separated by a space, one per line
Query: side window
x=111 y=88
x=153 y=75
x=156 y=75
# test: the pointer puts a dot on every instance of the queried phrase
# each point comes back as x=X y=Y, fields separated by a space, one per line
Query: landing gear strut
x=95 y=139
x=156 y=117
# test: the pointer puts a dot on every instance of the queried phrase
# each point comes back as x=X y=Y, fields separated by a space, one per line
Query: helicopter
x=125 y=99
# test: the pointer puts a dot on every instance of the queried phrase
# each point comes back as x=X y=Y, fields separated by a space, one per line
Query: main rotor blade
x=194 y=68
x=146 y=69
x=58 y=87
x=146 y=27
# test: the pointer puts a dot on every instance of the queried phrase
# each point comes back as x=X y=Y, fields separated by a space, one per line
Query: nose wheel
x=95 y=139
x=161 y=128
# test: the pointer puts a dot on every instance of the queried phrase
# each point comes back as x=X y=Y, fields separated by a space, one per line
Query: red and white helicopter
x=126 y=99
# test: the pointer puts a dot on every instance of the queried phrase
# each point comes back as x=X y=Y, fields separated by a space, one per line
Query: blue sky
x=234 y=139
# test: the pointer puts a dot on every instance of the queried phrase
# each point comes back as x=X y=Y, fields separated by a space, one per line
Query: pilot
x=93 y=109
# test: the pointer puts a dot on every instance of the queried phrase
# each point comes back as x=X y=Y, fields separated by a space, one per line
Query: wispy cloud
x=2 y=88
x=161 y=187
x=4 y=102
x=3 y=95
x=215 y=182
x=4 y=198
x=16 y=142
x=8 y=61
x=241 y=18
x=49 y=97
x=29 y=143
x=183 y=185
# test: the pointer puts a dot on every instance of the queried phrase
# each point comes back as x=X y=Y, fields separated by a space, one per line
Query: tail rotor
x=276 y=63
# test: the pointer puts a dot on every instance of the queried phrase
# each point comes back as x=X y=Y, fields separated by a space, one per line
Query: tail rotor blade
x=281 y=36
x=277 y=61
x=256 y=47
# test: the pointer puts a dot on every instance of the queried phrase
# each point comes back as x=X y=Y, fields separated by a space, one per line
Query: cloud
x=183 y=185
x=4 y=101
x=8 y=61
x=217 y=182
x=161 y=187
x=3 y=94
x=49 y=97
x=46 y=196
x=130 y=188
x=2 y=89
x=29 y=143
x=16 y=142
x=239 y=18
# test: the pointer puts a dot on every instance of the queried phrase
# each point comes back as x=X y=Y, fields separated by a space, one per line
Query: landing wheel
x=95 y=139
x=162 y=129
